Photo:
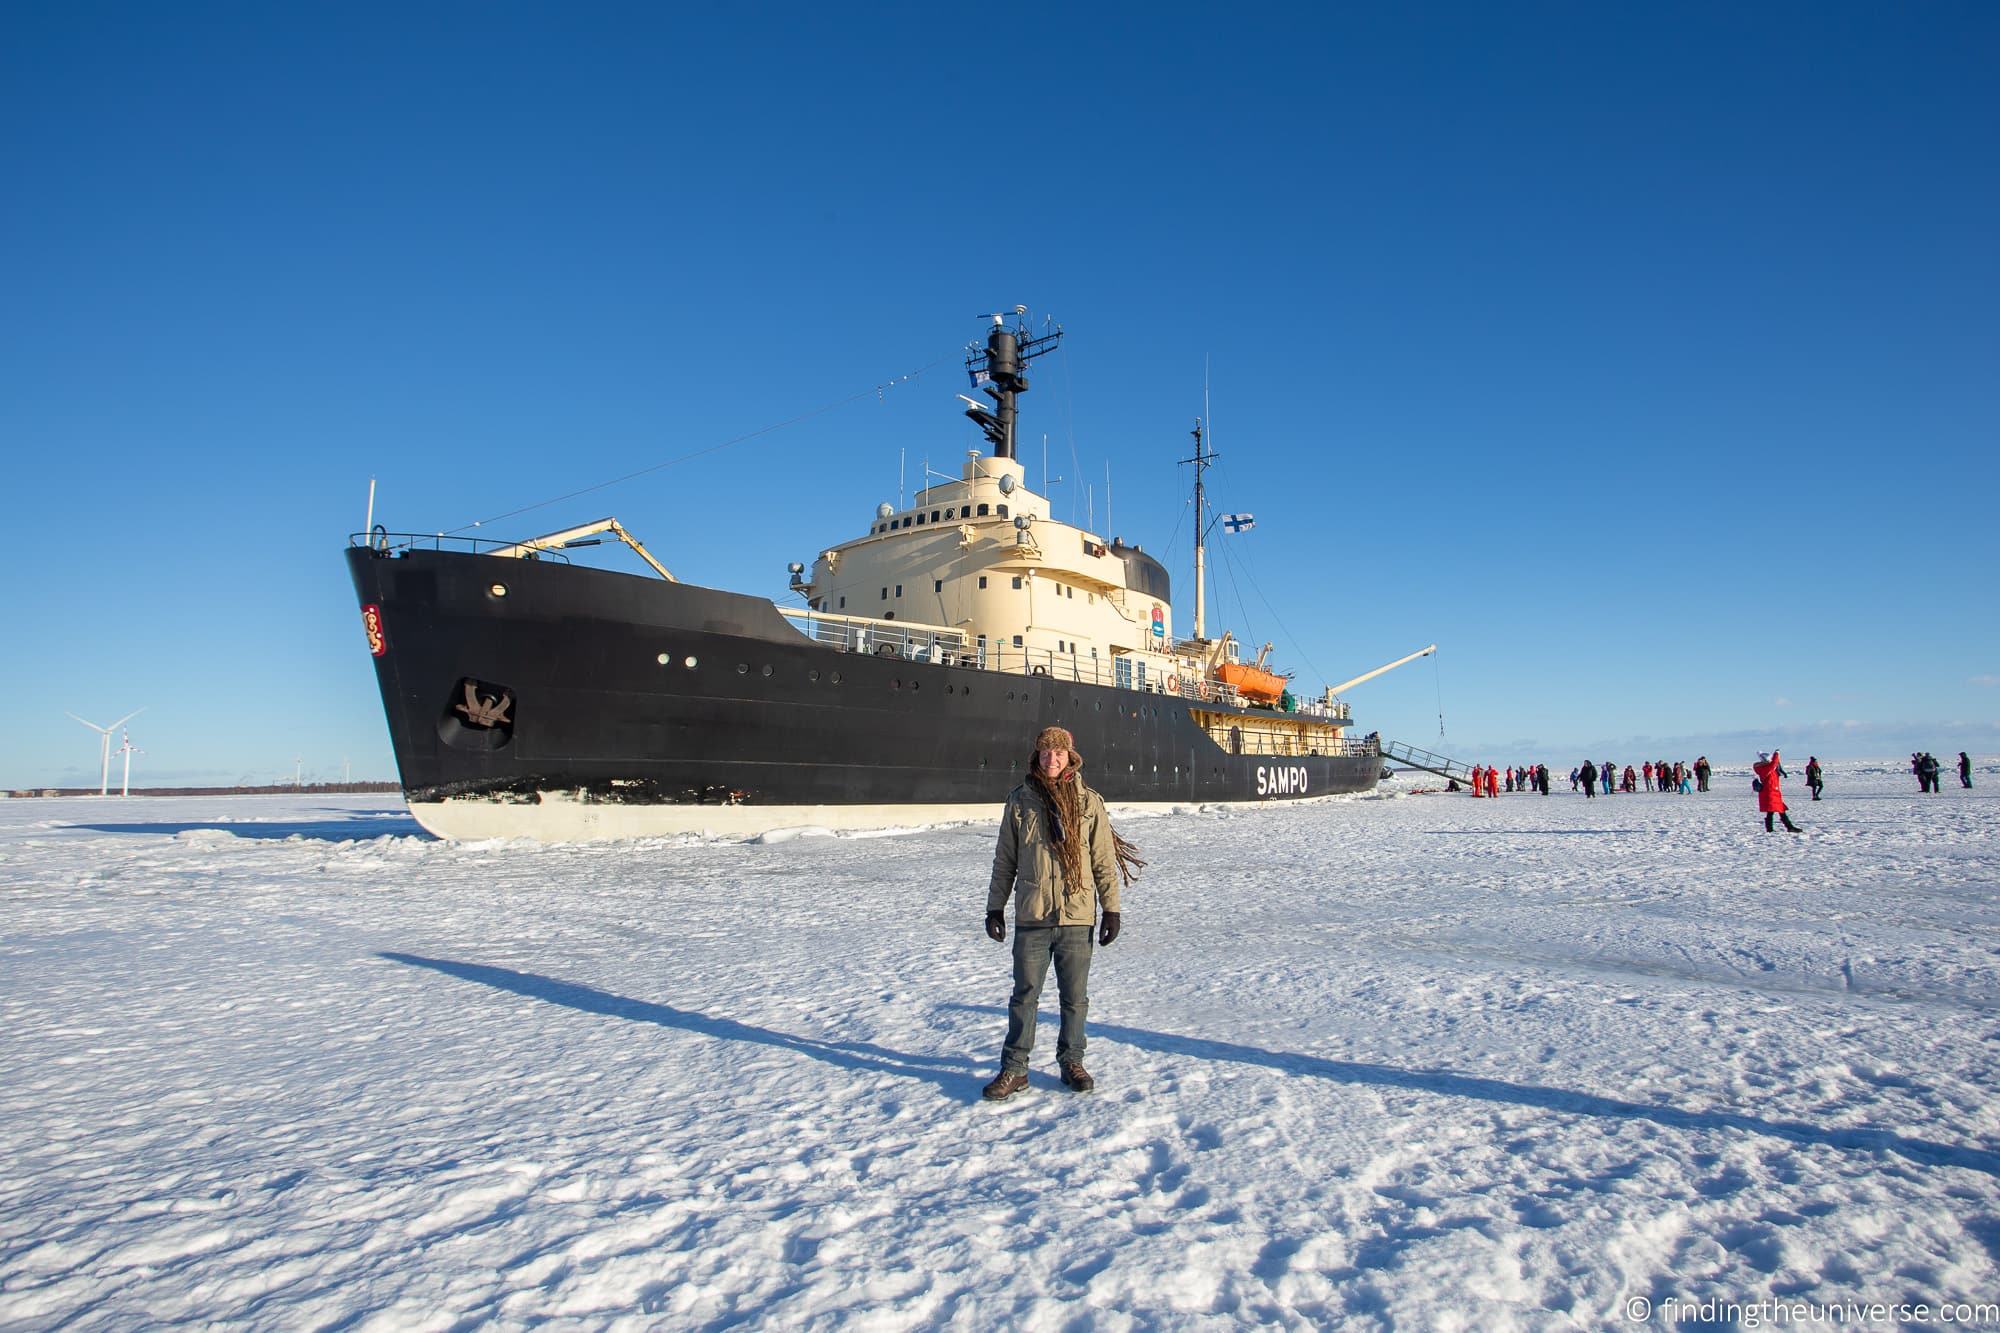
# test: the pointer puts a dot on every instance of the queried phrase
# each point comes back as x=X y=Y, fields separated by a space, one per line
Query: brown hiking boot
x=1005 y=1086
x=1076 y=1078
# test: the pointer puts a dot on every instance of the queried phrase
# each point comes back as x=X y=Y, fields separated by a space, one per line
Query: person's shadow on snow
x=1447 y=1084
x=954 y=1076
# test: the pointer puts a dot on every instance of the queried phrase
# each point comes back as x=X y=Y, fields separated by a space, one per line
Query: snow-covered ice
x=1398 y=1061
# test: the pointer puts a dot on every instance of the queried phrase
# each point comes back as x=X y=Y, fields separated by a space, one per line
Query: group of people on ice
x=1925 y=768
x=1591 y=777
x=1487 y=780
x=1679 y=776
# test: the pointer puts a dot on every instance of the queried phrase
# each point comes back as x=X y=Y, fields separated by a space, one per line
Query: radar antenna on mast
x=999 y=369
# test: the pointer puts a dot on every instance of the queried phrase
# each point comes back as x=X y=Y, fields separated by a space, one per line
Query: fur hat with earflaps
x=1057 y=738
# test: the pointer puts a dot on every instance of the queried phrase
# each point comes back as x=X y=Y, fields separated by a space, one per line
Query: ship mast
x=1203 y=456
x=999 y=370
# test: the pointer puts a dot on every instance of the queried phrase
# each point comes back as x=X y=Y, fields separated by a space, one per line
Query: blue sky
x=1642 y=356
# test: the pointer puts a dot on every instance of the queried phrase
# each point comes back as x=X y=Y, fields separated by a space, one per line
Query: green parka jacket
x=1027 y=864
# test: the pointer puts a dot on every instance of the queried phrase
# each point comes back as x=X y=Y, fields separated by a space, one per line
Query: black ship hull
x=533 y=697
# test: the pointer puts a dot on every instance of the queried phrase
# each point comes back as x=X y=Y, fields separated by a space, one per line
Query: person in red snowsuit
x=1649 y=775
x=1770 y=799
x=1478 y=780
x=1493 y=784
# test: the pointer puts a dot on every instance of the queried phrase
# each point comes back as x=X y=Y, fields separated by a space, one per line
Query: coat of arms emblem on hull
x=482 y=712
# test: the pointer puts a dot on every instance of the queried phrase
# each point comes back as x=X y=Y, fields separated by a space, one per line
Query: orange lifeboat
x=1252 y=682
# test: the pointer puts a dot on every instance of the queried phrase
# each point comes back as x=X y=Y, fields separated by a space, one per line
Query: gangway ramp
x=1411 y=757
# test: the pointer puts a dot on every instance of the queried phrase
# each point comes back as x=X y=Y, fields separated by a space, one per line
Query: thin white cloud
x=1988 y=679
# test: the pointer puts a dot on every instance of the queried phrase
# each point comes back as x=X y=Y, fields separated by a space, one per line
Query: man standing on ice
x=1964 y=770
x=1059 y=858
x=1770 y=799
x=1815 y=776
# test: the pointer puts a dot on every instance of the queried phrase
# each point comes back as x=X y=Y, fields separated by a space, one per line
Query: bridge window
x=982 y=580
x=982 y=511
x=1017 y=580
x=1001 y=510
x=920 y=520
x=937 y=585
x=934 y=515
x=899 y=590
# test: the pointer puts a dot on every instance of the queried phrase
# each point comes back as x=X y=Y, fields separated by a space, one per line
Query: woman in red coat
x=1770 y=799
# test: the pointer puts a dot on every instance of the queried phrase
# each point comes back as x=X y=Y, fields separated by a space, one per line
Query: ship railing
x=882 y=638
x=1269 y=745
x=1052 y=664
x=1193 y=688
x=396 y=543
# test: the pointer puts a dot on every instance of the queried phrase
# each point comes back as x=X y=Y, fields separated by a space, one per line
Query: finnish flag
x=1239 y=522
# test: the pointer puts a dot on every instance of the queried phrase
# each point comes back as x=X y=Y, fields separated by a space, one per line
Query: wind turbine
x=104 y=775
x=128 y=750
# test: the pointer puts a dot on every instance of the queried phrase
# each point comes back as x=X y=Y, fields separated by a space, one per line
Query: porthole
x=834 y=679
x=767 y=669
x=896 y=684
x=1010 y=696
x=664 y=659
x=688 y=662
x=916 y=685
x=813 y=674
x=949 y=689
x=742 y=668
x=498 y=589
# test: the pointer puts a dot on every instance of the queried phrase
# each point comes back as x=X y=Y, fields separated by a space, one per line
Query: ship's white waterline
x=560 y=817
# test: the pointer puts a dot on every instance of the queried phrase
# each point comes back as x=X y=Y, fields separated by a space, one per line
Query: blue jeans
x=1070 y=946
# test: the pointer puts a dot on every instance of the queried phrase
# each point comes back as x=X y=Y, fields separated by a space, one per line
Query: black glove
x=996 y=926
x=1108 y=931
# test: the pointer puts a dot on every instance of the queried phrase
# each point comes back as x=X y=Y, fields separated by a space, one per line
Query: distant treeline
x=282 y=789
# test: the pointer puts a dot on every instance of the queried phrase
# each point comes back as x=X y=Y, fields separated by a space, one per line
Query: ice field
x=1396 y=1061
